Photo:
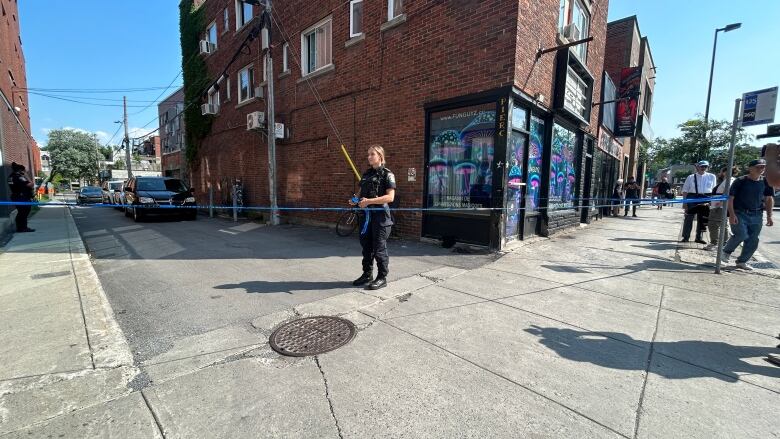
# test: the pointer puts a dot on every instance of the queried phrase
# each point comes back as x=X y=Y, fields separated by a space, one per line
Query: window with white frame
x=355 y=18
x=246 y=84
x=214 y=100
x=394 y=8
x=285 y=55
x=244 y=13
x=316 y=47
x=225 y=20
x=227 y=89
x=574 y=24
x=211 y=34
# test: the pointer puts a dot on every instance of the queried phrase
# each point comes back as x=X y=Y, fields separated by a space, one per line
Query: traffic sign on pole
x=758 y=107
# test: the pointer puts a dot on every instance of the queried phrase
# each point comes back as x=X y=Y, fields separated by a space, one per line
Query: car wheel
x=191 y=216
x=126 y=210
x=137 y=216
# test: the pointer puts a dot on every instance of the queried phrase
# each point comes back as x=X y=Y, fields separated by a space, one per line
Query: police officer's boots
x=362 y=280
x=379 y=282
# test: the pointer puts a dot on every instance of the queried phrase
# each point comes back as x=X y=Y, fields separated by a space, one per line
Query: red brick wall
x=622 y=47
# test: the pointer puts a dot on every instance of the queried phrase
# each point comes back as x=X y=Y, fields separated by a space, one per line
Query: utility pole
x=727 y=187
x=97 y=157
x=127 y=142
x=270 y=119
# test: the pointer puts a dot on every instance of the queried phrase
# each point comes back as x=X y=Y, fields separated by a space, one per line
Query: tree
x=72 y=154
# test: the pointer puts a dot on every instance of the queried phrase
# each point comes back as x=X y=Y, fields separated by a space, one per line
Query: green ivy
x=191 y=27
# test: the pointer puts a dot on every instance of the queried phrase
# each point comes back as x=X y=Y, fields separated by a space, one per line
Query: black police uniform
x=21 y=192
x=376 y=183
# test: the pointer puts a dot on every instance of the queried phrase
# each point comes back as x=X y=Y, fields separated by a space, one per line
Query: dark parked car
x=109 y=188
x=90 y=195
x=158 y=196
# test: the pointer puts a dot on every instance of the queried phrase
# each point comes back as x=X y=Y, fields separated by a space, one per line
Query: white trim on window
x=227 y=89
x=355 y=23
x=394 y=8
x=246 y=84
x=225 y=20
x=285 y=57
x=320 y=55
x=214 y=100
x=211 y=34
x=241 y=12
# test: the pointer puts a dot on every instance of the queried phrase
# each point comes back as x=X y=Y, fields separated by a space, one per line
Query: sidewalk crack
x=327 y=396
x=78 y=291
x=154 y=415
x=647 y=366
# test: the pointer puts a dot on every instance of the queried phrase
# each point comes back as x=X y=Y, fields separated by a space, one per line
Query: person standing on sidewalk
x=617 y=197
x=716 y=209
x=748 y=198
x=697 y=185
x=632 y=195
x=21 y=191
x=662 y=190
x=377 y=191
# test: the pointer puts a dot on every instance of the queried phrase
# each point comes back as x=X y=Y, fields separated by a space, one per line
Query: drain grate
x=312 y=336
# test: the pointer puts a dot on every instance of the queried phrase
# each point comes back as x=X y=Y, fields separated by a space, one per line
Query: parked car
x=109 y=187
x=90 y=195
x=119 y=197
x=158 y=196
x=777 y=199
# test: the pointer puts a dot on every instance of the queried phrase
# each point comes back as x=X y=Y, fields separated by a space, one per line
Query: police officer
x=377 y=191
x=22 y=191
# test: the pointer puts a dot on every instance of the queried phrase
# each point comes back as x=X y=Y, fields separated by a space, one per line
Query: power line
x=159 y=96
x=92 y=90
x=89 y=98
x=97 y=104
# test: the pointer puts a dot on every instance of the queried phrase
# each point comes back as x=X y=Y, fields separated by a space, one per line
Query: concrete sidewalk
x=594 y=333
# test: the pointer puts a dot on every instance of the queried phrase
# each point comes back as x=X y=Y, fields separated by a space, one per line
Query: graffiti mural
x=514 y=183
x=460 y=151
x=535 y=152
x=562 y=173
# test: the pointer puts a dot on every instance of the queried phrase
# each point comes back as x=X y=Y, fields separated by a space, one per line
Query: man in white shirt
x=716 y=209
x=698 y=185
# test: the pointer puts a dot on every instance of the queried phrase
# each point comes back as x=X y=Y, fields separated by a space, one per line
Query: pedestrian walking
x=617 y=197
x=377 y=191
x=716 y=208
x=21 y=191
x=663 y=189
x=698 y=185
x=632 y=190
x=749 y=197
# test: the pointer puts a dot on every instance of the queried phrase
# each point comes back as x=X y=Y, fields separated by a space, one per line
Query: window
x=355 y=18
x=394 y=8
x=562 y=173
x=285 y=62
x=648 y=107
x=211 y=34
x=316 y=47
x=214 y=100
x=576 y=95
x=246 y=81
x=244 y=14
x=574 y=24
x=226 y=21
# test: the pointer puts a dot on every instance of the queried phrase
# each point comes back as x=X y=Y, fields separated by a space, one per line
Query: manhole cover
x=312 y=336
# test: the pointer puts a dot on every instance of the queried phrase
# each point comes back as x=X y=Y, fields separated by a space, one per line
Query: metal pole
x=211 y=201
x=709 y=89
x=235 y=205
x=97 y=157
x=724 y=217
x=127 y=142
x=270 y=120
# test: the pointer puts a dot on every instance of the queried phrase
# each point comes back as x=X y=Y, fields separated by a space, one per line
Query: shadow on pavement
x=264 y=287
x=595 y=347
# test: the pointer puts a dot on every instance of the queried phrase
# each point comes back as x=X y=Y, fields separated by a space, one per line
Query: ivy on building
x=191 y=27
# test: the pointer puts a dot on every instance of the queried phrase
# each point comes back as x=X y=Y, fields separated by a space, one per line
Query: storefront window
x=535 y=152
x=460 y=157
x=514 y=183
x=562 y=173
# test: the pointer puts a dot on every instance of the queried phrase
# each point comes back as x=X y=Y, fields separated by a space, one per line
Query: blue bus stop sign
x=758 y=107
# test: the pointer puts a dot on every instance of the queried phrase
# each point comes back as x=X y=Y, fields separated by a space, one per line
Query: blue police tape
x=613 y=202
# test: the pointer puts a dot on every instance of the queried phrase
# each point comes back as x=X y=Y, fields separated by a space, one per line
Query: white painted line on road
x=247 y=227
x=95 y=232
x=126 y=228
x=228 y=231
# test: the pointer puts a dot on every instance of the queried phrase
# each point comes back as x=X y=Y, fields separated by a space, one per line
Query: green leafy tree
x=72 y=154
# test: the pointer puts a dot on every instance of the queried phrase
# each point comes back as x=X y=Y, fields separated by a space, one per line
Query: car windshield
x=115 y=186
x=159 y=184
x=91 y=190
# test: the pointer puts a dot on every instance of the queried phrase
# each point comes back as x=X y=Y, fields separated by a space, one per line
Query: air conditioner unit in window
x=255 y=121
x=209 y=109
x=571 y=32
x=206 y=47
x=258 y=92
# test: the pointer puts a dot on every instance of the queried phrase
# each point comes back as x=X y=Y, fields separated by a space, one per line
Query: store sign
x=628 y=92
x=758 y=107
x=576 y=95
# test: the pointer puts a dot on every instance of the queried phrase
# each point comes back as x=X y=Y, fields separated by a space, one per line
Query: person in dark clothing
x=377 y=191
x=616 y=197
x=21 y=191
x=632 y=195
x=662 y=189
x=749 y=197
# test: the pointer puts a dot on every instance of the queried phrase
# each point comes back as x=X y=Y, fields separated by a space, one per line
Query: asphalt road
x=167 y=279
x=769 y=247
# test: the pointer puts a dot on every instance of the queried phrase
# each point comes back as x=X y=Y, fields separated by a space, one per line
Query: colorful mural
x=535 y=152
x=562 y=173
x=460 y=151
x=514 y=183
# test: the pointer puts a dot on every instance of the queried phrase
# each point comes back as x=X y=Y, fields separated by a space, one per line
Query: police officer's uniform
x=375 y=183
x=20 y=191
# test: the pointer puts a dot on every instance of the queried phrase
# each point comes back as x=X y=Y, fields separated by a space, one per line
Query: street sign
x=279 y=130
x=758 y=107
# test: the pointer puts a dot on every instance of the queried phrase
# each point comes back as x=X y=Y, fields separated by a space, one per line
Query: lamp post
x=728 y=28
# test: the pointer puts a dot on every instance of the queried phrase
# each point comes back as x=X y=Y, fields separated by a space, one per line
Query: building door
x=532 y=218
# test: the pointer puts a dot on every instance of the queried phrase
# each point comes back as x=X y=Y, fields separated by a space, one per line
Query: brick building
x=16 y=144
x=172 y=138
x=627 y=49
x=470 y=114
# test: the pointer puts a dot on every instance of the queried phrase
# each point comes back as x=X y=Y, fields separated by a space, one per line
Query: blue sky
x=135 y=44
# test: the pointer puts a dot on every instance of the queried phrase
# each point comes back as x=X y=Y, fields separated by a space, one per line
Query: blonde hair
x=379 y=150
